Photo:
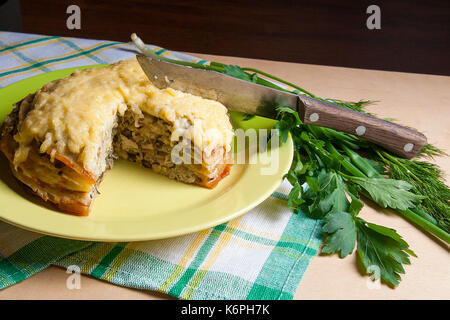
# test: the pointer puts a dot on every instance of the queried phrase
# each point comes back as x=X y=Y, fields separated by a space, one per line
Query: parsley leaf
x=341 y=230
x=330 y=195
x=294 y=199
x=389 y=192
x=383 y=248
x=288 y=120
x=237 y=72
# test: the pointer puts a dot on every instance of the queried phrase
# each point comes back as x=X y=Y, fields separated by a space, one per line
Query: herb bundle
x=329 y=176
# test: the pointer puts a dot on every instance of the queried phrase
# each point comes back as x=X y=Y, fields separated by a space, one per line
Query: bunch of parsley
x=329 y=176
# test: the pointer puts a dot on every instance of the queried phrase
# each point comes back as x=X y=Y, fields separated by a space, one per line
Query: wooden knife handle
x=393 y=137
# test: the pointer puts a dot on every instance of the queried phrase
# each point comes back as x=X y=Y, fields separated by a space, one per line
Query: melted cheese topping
x=76 y=115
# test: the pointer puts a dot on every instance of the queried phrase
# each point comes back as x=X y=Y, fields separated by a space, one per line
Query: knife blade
x=251 y=98
x=236 y=94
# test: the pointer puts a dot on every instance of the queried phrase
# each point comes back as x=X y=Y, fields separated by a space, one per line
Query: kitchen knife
x=250 y=98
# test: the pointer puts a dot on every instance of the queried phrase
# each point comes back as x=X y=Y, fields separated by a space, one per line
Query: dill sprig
x=426 y=179
x=356 y=106
x=430 y=151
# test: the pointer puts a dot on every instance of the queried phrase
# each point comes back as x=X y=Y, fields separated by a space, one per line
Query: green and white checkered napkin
x=261 y=255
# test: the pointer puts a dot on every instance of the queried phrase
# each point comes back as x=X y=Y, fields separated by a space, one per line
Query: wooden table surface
x=417 y=100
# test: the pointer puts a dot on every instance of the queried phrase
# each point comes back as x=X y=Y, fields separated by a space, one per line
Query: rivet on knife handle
x=395 y=138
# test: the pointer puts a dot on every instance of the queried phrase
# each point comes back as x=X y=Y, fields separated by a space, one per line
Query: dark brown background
x=414 y=35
